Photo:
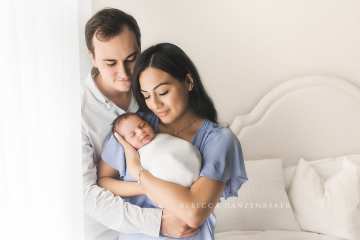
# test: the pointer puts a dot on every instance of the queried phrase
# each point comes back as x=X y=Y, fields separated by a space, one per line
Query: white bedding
x=171 y=159
x=272 y=235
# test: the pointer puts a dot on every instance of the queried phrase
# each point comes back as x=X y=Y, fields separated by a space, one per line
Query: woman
x=168 y=89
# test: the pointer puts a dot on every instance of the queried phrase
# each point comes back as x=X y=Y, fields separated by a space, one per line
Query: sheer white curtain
x=40 y=162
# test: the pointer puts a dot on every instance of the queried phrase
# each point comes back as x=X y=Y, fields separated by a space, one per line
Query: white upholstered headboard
x=311 y=117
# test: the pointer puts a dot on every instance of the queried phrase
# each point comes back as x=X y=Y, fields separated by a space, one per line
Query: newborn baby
x=166 y=157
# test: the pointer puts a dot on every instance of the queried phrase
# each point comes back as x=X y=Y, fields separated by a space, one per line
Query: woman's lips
x=161 y=114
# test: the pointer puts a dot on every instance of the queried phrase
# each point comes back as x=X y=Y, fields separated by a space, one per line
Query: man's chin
x=122 y=84
x=123 y=89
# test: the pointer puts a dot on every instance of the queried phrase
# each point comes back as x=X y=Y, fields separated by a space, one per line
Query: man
x=113 y=41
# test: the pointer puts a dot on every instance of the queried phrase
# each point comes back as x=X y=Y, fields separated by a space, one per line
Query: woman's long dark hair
x=171 y=59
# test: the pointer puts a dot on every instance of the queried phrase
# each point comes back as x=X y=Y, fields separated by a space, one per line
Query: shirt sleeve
x=112 y=211
x=113 y=154
x=223 y=161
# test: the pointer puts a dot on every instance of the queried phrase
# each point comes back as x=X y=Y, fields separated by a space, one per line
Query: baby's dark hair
x=121 y=118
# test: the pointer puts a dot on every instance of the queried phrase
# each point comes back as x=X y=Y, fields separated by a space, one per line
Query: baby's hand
x=122 y=141
x=132 y=156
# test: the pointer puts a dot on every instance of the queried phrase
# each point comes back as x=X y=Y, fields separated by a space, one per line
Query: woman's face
x=164 y=95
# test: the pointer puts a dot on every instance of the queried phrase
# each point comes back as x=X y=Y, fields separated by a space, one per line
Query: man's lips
x=122 y=79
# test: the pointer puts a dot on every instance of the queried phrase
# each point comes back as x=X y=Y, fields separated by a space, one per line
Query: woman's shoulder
x=216 y=129
x=214 y=134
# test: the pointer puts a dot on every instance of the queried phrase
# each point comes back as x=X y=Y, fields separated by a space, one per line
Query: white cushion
x=327 y=205
x=326 y=167
x=262 y=203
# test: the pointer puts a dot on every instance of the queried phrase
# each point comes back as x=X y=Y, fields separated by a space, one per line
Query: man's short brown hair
x=108 y=23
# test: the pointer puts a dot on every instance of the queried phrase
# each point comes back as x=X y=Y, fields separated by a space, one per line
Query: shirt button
x=108 y=104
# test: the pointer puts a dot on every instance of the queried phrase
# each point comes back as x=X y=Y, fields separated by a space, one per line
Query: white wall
x=243 y=48
x=40 y=150
x=84 y=13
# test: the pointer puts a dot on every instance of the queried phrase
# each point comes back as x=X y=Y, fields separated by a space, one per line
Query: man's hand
x=171 y=226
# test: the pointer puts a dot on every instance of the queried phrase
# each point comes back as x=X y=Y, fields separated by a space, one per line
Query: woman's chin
x=165 y=119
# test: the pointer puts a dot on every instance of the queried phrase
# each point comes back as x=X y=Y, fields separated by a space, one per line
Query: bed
x=302 y=151
x=272 y=235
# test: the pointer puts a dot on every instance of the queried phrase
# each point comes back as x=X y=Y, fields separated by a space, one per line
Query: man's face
x=136 y=131
x=115 y=59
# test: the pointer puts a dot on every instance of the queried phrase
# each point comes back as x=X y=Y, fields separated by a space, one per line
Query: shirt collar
x=95 y=90
x=133 y=106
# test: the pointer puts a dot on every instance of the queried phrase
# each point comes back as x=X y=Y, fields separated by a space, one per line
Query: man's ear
x=92 y=58
x=189 y=81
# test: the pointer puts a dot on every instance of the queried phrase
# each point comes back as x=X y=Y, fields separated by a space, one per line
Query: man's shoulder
x=86 y=99
x=88 y=105
x=94 y=115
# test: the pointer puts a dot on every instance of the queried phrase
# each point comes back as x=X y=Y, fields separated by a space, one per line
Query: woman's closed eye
x=146 y=97
x=164 y=93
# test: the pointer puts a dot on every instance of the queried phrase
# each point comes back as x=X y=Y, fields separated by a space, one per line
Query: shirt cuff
x=153 y=218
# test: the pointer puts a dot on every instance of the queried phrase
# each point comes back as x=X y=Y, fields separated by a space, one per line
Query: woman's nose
x=156 y=103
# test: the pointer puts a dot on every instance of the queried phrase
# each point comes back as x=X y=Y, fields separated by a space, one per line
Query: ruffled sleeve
x=114 y=155
x=223 y=160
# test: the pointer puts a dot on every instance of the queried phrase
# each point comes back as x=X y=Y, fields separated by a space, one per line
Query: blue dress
x=222 y=160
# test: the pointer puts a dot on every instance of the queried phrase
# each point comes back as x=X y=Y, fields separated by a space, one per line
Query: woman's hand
x=133 y=163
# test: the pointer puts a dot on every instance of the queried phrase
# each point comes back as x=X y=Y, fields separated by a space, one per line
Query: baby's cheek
x=152 y=134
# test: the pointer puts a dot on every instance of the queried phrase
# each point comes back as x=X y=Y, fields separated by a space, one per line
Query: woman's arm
x=107 y=179
x=192 y=205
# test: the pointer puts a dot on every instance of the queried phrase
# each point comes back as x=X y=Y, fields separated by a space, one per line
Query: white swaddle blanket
x=171 y=159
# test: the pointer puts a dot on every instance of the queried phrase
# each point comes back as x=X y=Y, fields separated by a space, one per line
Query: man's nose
x=122 y=72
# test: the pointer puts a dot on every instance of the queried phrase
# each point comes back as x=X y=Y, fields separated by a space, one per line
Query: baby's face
x=135 y=131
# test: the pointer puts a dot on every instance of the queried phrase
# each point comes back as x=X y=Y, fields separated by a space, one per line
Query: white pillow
x=330 y=206
x=262 y=203
x=326 y=167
